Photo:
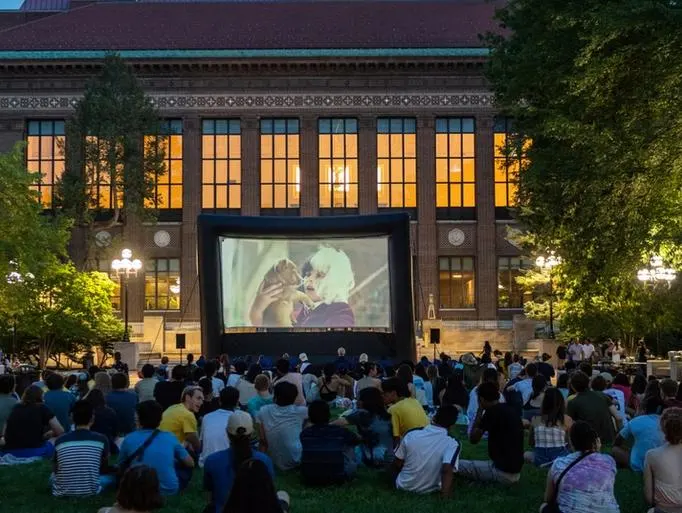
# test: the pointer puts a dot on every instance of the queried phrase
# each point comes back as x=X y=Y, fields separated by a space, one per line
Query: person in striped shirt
x=81 y=457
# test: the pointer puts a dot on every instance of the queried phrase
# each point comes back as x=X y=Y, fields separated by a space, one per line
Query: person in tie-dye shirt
x=587 y=487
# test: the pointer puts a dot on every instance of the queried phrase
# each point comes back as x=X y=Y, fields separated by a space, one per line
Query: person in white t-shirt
x=617 y=395
x=304 y=362
x=525 y=386
x=217 y=383
x=575 y=351
x=427 y=458
x=588 y=350
x=213 y=435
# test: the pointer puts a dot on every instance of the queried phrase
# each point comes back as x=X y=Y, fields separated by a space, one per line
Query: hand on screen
x=264 y=298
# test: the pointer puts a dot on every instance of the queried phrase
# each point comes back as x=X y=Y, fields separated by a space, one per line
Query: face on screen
x=340 y=283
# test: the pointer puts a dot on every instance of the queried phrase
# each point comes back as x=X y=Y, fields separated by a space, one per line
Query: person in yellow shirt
x=179 y=419
x=406 y=412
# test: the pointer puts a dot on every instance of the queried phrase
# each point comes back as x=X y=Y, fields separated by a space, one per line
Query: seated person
x=81 y=459
x=138 y=493
x=488 y=376
x=58 y=400
x=646 y=432
x=587 y=486
x=254 y=491
x=163 y=454
x=426 y=458
x=145 y=387
x=105 y=418
x=548 y=431
x=280 y=426
x=30 y=426
x=328 y=455
x=180 y=419
x=406 y=412
x=123 y=402
x=505 y=439
x=595 y=408
x=373 y=423
x=168 y=393
x=262 y=397
x=213 y=436
x=221 y=467
x=663 y=466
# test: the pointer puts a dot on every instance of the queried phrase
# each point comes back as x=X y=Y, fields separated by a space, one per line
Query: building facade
x=294 y=121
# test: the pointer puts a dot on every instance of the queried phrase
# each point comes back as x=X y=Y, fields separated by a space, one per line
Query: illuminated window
x=509 y=155
x=338 y=162
x=455 y=168
x=98 y=177
x=168 y=185
x=456 y=282
x=509 y=292
x=45 y=156
x=162 y=284
x=104 y=266
x=221 y=164
x=397 y=163
x=280 y=174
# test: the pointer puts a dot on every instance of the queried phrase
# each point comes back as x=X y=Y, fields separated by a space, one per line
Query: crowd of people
x=241 y=423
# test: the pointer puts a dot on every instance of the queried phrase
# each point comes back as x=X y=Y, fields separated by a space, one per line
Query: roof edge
x=48 y=55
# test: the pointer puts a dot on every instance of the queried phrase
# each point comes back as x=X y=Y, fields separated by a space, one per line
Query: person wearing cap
x=304 y=362
x=617 y=395
x=220 y=468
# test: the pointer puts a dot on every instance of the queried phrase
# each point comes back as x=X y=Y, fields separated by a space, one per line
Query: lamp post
x=124 y=269
x=656 y=272
x=549 y=262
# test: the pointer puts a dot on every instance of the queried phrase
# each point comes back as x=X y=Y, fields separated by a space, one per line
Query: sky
x=10 y=4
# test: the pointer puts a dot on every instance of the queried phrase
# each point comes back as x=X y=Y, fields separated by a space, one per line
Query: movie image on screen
x=334 y=283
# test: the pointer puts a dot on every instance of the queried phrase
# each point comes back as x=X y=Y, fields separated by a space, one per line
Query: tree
x=594 y=84
x=62 y=310
x=114 y=154
x=30 y=240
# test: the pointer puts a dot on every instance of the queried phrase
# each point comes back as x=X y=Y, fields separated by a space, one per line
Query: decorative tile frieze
x=360 y=101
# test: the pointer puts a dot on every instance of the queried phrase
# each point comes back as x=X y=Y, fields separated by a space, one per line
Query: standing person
x=221 y=467
x=505 y=439
x=123 y=402
x=284 y=375
x=119 y=366
x=58 y=400
x=81 y=459
x=263 y=397
x=642 y=352
x=30 y=426
x=254 y=492
x=213 y=436
x=139 y=492
x=561 y=355
x=162 y=370
x=7 y=399
x=588 y=476
x=181 y=421
x=406 y=412
x=427 y=458
x=595 y=408
x=588 y=350
x=328 y=450
x=575 y=351
x=281 y=424
x=157 y=449
x=548 y=432
x=646 y=432
x=168 y=393
x=145 y=387
x=663 y=466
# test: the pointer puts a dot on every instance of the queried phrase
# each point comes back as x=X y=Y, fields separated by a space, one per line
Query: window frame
x=392 y=126
x=455 y=127
x=327 y=128
x=169 y=129
x=155 y=273
x=227 y=128
x=504 y=126
x=272 y=127
x=56 y=131
x=452 y=269
x=524 y=264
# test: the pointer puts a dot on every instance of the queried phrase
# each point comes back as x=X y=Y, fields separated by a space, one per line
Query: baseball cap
x=303 y=357
x=240 y=423
x=607 y=377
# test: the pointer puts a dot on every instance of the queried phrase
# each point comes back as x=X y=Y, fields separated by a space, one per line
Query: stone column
x=367 y=165
x=426 y=281
x=250 y=166
x=486 y=258
x=310 y=177
x=191 y=208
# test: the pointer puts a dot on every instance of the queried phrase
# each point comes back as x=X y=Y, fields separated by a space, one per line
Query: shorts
x=546 y=455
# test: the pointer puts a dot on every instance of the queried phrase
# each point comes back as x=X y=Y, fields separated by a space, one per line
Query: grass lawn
x=24 y=489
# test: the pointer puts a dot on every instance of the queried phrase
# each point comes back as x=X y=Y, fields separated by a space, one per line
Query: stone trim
x=196 y=102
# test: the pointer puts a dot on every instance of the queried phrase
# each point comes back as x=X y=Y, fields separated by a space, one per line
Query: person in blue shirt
x=645 y=430
x=123 y=402
x=58 y=400
x=163 y=454
x=220 y=468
